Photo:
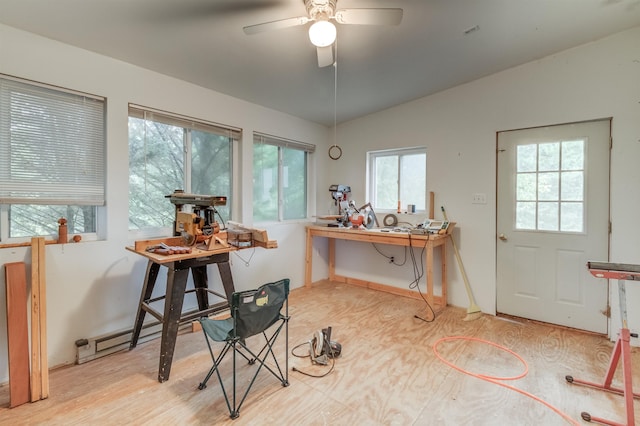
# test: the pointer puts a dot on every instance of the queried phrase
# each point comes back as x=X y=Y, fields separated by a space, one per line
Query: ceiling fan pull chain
x=332 y=154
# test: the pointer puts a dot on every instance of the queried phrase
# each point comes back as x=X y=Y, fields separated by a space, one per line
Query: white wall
x=94 y=287
x=458 y=127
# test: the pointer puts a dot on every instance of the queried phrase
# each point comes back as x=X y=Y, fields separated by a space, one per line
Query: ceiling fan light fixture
x=322 y=33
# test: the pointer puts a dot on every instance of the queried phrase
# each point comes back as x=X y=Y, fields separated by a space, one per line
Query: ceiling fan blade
x=325 y=56
x=275 y=25
x=369 y=16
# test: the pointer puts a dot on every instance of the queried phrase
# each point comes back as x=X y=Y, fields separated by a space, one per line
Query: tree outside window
x=170 y=152
x=280 y=170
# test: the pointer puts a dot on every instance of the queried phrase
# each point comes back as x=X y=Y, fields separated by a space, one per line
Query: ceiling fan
x=322 y=32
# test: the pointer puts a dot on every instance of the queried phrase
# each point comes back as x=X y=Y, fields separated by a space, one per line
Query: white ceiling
x=201 y=41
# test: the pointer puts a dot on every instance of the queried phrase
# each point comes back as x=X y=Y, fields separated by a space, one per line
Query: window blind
x=172 y=119
x=278 y=141
x=52 y=145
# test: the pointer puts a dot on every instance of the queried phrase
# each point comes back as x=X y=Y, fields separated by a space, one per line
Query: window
x=169 y=152
x=52 y=159
x=397 y=177
x=550 y=186
x=279 y=178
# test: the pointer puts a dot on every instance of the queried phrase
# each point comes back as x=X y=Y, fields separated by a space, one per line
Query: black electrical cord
x=407 y=223
x=216 y=212
x=299 y=346
x=247 y=263
x=391 y=258
x=333 y=360
x=418 y=274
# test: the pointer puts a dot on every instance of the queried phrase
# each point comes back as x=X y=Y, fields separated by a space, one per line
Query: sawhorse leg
x=176 y=285
x=147 y=289
x=621 y=350
x=227 y=279
x=200 y=282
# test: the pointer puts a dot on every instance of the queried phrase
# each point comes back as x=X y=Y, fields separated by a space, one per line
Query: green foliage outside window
x=158 y=154
x=279 y=181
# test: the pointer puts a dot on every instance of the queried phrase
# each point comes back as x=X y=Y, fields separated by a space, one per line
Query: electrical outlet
x=479 y=198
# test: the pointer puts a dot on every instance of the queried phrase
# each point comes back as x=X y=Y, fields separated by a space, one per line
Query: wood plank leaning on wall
x=17 y=333
x=39 y=361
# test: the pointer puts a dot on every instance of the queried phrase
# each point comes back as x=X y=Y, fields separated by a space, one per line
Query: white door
x=552 y=218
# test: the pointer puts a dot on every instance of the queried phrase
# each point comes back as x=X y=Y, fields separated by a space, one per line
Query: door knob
x=502 y=237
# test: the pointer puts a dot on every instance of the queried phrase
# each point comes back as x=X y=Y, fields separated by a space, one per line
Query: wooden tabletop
x=140 y=248
x=375 y=235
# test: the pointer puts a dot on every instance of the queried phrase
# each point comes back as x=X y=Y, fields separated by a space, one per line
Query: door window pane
x=572 y=217
x=548 y=216
x=549 y=158
x=525 y=215
x=573 y=155
x=526 y=158
x=573 y=186
x=546 y=198
x=548 y=186
x=526 y=186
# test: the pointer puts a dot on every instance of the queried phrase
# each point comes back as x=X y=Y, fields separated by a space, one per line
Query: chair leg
x=261 y=358
x=238 y=346
x=216 y=362
x=264 y=353
x=203 y=384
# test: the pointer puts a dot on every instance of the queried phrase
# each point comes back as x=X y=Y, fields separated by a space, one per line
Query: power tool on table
x=348 y=214
x=195 y=216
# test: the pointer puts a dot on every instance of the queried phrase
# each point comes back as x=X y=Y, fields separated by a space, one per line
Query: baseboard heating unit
x=97 y=347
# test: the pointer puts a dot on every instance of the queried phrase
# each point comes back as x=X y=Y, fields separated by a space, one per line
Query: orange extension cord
x=497 y=380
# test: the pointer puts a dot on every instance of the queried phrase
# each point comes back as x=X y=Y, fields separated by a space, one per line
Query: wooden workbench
x=429 y=242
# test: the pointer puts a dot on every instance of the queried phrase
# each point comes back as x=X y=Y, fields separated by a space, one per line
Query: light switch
x=479 y=198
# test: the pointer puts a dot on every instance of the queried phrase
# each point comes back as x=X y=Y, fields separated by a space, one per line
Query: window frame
x=280 y=143
x=371 y=177
x=65 y=102
x=188 y=124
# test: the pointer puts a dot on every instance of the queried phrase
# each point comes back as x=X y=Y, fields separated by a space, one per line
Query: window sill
x=46 y=241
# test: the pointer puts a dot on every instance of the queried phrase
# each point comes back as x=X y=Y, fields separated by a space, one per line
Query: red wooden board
x=17 y=333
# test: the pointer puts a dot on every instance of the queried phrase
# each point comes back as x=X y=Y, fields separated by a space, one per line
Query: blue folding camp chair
x=253 y=312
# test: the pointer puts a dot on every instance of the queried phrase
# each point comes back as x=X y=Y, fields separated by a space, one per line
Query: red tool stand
x=622 y=348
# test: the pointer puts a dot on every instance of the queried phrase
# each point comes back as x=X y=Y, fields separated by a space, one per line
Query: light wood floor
x=388 y=374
